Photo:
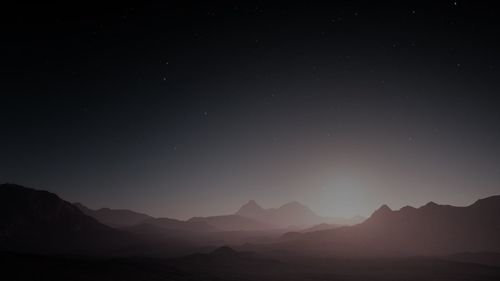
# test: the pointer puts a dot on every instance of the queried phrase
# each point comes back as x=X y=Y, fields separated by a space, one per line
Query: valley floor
x=236 y=266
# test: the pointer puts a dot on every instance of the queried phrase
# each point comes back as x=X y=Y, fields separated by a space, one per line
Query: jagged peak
x=431 y=204
x=384 y=208
x=251 y=209
x=251 y=204
x=407 y=208
x=381 y=212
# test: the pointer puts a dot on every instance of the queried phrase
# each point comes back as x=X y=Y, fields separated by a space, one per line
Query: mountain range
x=431 y=230
x=290 y=214
x=250 y=217
x=39 y=221
x=114 y=217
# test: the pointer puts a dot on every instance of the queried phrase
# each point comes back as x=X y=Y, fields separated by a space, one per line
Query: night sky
x=182 y=108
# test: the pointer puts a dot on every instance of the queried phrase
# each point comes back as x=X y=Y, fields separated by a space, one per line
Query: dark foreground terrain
x=225 y=264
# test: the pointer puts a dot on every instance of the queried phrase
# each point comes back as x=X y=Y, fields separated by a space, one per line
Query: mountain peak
x=293 y=204
x=431 y=204
x=252 y=203
x=251 y=209
x=292 y=213
x=384 y=208
x=380 y=213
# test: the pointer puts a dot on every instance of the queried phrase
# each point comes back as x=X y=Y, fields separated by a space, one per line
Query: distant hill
x=141 y=223
x=348 y=221
x=429 y=230
x=233 y=223
x=194 y=233
x=114 y=217
x=173 y=224
x=321 y=226
x=290 y=214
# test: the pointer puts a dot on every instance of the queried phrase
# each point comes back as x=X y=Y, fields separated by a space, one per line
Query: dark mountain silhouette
x=429 y=230
x=233 y=223
x=39 y=221
x=290 y=214
x=35 y=221
x=114 y=217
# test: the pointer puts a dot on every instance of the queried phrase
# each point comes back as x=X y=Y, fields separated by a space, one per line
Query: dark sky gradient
x=183 y=108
